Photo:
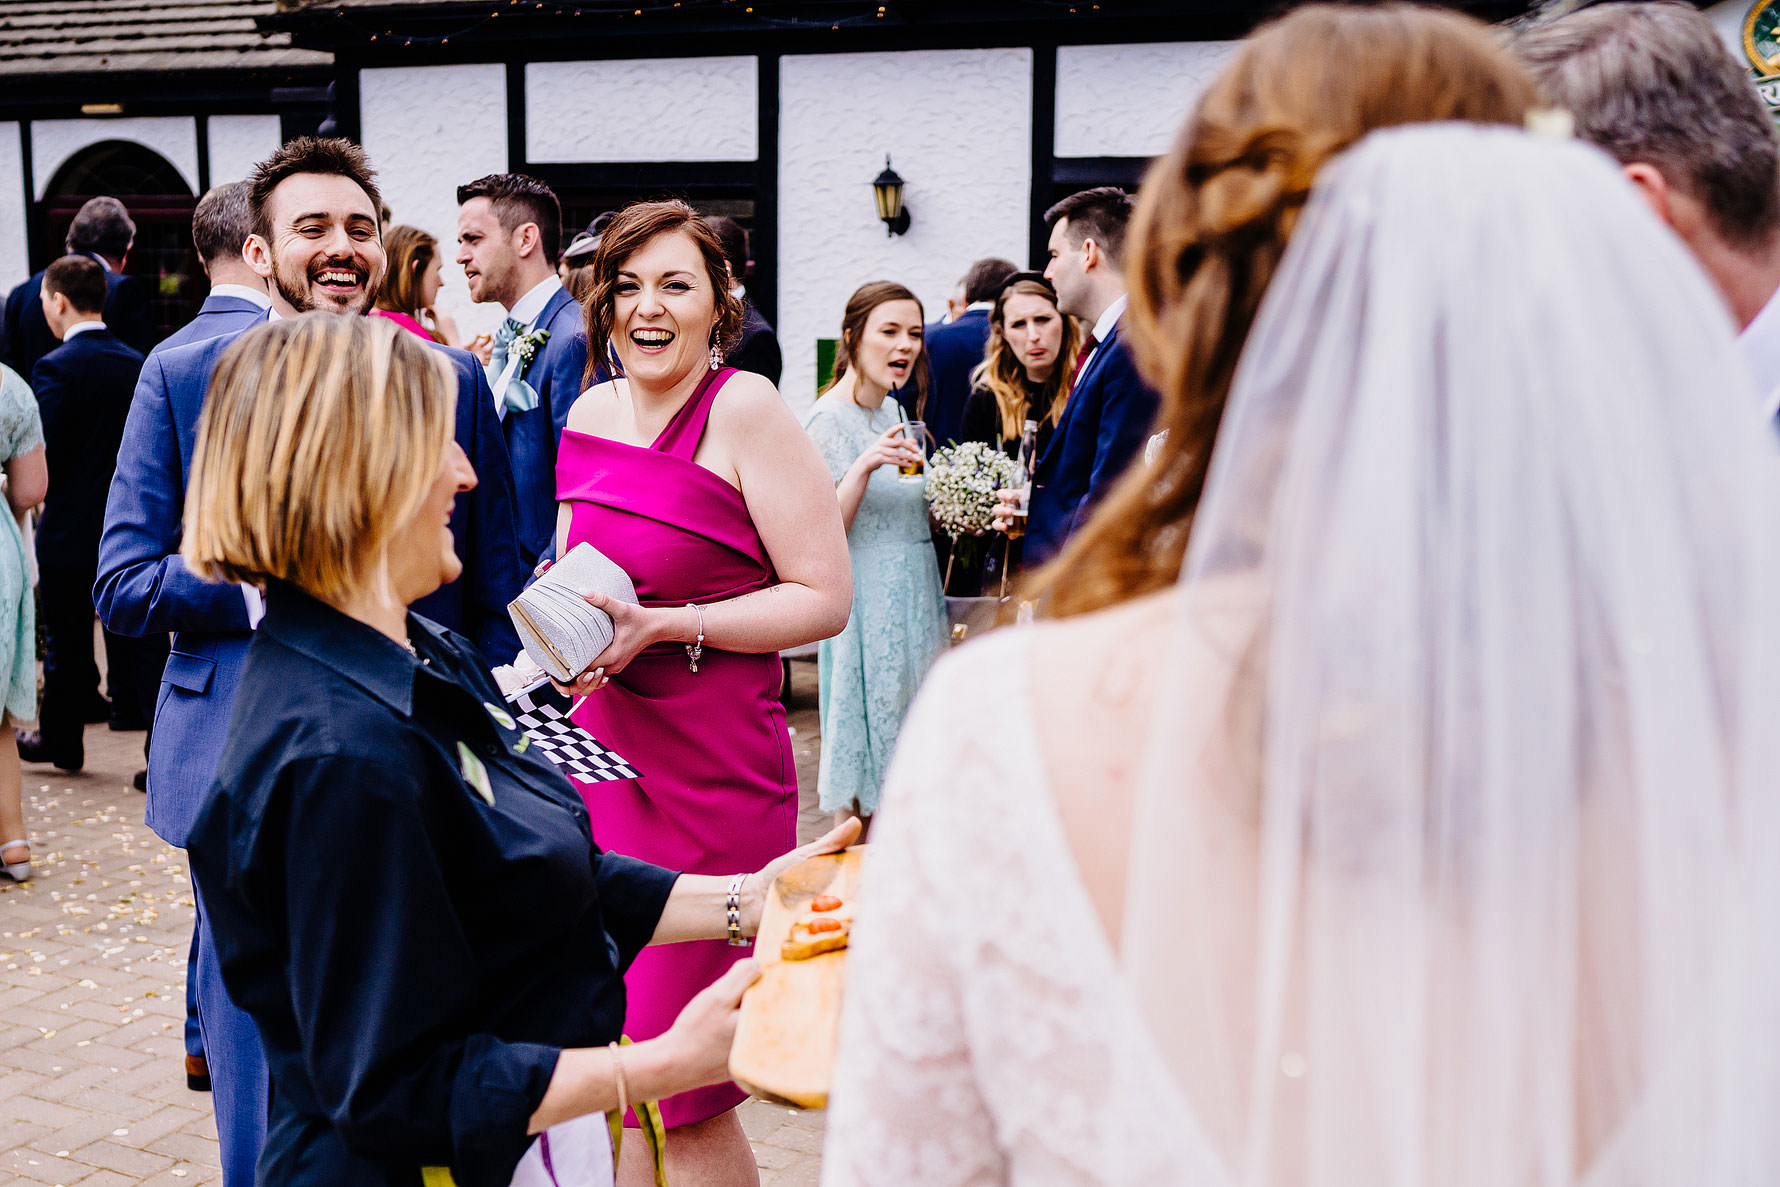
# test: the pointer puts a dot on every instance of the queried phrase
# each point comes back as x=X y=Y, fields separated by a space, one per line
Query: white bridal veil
x=1454 y=860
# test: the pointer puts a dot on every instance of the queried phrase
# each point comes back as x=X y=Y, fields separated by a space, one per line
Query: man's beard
x=298 y=288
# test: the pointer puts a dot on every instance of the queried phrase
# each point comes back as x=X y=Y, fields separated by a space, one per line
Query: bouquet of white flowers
x=961 y=485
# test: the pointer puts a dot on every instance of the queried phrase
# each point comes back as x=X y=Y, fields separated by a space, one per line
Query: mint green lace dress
x=21 y=431
x=870 y=670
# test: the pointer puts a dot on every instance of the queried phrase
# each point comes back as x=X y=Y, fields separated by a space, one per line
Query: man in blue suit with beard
x=509 y=233
x=221 y=224
x=1111 y=408
x=315 y=236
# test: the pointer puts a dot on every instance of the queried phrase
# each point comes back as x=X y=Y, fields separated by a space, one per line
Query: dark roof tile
x=77 y=36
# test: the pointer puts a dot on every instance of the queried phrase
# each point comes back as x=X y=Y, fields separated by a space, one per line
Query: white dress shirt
x=1760 y=346
x=1109 y=317
x=81 y=327
x=529 y=308
x=259 y=297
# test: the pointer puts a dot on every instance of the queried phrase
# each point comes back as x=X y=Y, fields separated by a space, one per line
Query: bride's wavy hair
x=627 y=233
x=1212 y=222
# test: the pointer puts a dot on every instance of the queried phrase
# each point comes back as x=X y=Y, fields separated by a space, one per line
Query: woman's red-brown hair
x=410 y=251
x=1212 y=222
x=622 y=238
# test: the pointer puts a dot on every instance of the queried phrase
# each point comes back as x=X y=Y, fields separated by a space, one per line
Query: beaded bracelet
x=733 y=911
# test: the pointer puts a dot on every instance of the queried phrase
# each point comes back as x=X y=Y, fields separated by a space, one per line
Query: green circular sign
x=1761 y=37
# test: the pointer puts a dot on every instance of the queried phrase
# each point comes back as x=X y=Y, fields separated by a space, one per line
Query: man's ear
x=527 y=239
x=1652 y=186
x=1092 y=256
x=258 y=254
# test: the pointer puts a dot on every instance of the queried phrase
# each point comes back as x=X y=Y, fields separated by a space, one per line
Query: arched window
x=160 y=204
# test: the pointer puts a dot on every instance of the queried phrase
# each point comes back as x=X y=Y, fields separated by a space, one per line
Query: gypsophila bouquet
x=961 y=485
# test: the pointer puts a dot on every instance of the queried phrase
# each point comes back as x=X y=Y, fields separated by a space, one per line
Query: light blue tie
x=519 y=395
x=503 y=342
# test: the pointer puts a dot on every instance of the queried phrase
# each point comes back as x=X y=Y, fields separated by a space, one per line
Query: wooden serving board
x=790 y=1020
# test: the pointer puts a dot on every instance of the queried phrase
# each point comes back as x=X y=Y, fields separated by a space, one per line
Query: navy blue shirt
x=407 y=899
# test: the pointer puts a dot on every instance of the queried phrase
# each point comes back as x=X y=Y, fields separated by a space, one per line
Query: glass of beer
x=916 y=432
x=1017 y=525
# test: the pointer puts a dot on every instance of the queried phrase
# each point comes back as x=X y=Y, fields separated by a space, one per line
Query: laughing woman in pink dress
x=697 y=480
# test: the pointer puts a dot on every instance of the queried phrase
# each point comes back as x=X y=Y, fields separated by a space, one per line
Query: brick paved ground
x=92 y=995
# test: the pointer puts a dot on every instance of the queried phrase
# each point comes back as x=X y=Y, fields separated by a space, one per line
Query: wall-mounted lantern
x=887 y=187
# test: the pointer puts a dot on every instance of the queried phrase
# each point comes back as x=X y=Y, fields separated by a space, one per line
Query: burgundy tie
x=1081 y=360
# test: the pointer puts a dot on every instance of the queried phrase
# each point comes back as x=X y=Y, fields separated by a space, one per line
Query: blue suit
x=1104 y=426
x=28 y=337
x=555 y=373
x=953 y=351
x=216 y=317
x=144 y=586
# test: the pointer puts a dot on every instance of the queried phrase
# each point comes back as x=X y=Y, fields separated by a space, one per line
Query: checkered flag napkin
x=543 y=713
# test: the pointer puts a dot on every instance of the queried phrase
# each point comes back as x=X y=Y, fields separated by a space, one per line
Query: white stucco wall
x=1729 y=16
x=239 y=142
x=15 y=256
x=54 y=141
x=968 y=180
x=1129 y=100
x=644 y=109
x=429 y=129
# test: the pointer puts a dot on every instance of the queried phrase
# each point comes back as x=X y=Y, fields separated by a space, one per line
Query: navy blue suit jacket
x=83 y=392
x=757 y=349
x=27 y=333
x=953 y=351
x=555 y=373
x=217 y=316
x=1103 y=427
x=145 y=588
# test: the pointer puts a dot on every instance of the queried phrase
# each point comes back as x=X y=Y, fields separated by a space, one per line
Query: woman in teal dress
x=870 y=670
x=21 y=457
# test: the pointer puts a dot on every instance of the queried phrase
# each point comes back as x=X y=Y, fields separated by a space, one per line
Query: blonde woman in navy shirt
x=405 y=896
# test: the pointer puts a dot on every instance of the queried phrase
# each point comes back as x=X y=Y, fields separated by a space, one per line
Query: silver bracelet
x=733 y=909
x=696 y=649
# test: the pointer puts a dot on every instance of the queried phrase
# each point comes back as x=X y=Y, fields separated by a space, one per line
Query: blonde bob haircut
x=320 y=436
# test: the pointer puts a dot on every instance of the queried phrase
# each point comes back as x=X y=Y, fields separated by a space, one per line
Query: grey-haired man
x=1655 y=86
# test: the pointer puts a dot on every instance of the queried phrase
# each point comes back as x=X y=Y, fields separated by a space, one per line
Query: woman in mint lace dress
x=21 y=457
x=870 y=670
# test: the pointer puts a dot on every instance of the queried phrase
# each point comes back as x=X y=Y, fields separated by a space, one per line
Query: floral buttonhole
x=526 y=345
x=475 y=774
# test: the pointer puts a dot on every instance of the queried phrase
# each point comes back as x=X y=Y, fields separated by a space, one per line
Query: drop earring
x=716 y=357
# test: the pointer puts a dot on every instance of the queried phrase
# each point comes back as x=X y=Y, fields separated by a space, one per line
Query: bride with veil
x=1424 y=832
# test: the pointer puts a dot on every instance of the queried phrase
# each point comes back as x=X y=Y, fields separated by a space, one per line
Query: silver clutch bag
x=560 y=631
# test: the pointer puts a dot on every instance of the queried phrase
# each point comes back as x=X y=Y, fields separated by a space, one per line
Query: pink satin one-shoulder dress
x=717 y=792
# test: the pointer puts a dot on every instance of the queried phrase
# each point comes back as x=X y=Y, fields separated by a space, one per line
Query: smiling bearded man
x=316 y=235
x=316 y=232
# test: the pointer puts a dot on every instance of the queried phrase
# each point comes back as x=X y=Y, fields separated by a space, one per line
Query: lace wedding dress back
x=989 y=1035
x=1453 y=860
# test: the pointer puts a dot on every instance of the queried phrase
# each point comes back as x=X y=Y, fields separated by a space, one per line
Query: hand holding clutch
x=562 y=633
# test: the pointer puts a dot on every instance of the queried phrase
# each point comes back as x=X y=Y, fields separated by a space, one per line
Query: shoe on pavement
x=197 y=1073
x=139 y=781
x=18 y=871
x=33 y=748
